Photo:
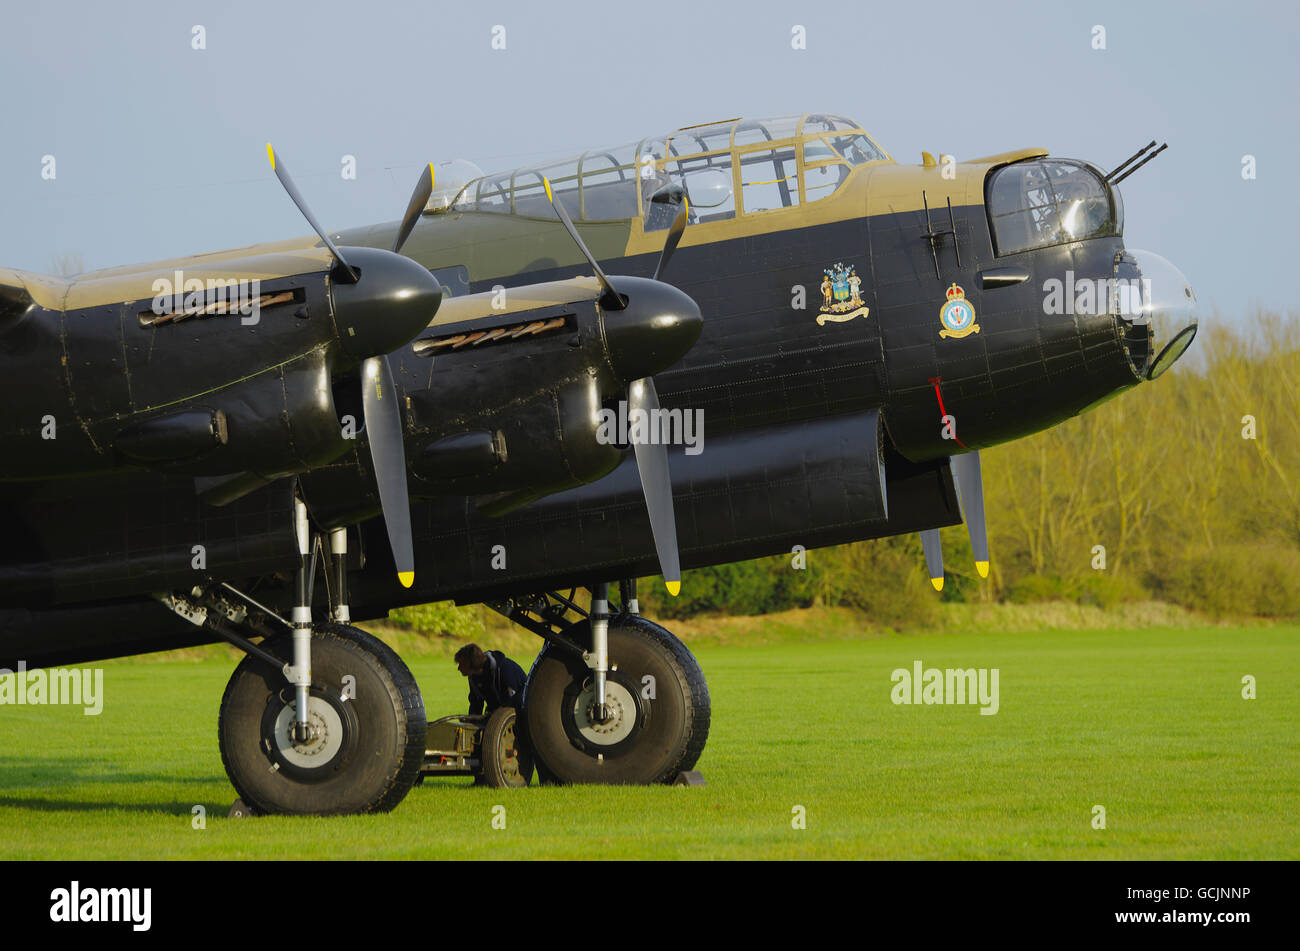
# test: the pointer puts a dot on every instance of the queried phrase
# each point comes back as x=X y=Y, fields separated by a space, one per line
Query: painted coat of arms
x=957 y=315
x=841 y=295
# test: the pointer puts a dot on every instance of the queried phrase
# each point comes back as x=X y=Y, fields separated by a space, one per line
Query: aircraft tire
x=507 y=763
x=371 y=729
x=661 y=704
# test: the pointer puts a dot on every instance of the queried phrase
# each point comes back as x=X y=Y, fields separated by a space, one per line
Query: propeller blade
x=674 y=236
x=282 y=174
x=383 y=418
x=613 y=300
x=656 y=483
x=933 y=556
x=970 y=496
x=419 y=198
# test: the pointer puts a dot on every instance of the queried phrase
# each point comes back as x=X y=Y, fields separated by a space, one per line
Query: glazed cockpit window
x=609 y=184
x=709 y=186
x=763 y=131
x=530 y=189
x=858 y=149
x=1043 y=203
x=769 y=180
x=494 y=193
x=823 y=178
x=737 y=166
x=827 y=123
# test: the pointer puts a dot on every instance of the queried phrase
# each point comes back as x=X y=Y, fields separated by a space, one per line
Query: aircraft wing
x=19 y=290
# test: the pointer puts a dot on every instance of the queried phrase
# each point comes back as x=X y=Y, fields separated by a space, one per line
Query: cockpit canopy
x=740 y=166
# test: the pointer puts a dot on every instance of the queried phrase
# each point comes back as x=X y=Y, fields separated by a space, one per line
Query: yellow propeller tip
x=547 y=182
x=433 y=176
x=983 y=568
x=938 y=583
x=407 y=578
x=270 y=154
x=674 y=587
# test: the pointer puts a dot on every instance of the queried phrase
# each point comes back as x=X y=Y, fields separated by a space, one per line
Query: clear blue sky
x=160 y=148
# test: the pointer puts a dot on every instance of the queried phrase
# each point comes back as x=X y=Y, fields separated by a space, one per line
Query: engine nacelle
x=278 y=422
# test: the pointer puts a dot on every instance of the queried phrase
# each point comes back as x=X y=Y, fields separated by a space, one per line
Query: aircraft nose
x=656 y=329
x=1153 y=299
x=391 y=302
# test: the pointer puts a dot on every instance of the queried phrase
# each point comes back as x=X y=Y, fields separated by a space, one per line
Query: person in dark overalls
x=494 y=679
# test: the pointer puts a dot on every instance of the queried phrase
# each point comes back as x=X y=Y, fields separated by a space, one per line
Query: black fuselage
x=814 y=434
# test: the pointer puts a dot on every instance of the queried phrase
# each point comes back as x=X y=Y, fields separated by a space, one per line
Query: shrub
x=886 y=579
x=760 y=586
x=1033 y=588
x=1107 y=588
x=1261 y=578
x=440 y=619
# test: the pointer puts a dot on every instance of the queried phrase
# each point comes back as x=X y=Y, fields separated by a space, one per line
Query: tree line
x=1184 y=489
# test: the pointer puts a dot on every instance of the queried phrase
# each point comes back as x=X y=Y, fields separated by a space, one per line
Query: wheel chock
x=239 y=810
x=689 y=777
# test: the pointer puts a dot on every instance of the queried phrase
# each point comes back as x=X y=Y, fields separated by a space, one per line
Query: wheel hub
x=325 y=740
x=620 y=714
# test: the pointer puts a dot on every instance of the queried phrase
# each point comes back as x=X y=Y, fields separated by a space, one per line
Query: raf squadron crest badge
x=841 y=295
x=958 y=315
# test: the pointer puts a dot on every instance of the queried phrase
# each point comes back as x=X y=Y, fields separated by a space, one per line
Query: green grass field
x=1150 y=724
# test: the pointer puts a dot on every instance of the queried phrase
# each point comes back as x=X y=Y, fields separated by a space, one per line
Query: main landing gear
x=323 y=718
x=365 y=737
x=612 y=697
x=319 y=718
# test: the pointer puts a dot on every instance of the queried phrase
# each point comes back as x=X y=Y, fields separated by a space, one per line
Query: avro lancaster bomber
x=420 y=411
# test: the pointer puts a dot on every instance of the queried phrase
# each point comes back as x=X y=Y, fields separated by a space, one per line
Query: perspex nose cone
x=1156 y=295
